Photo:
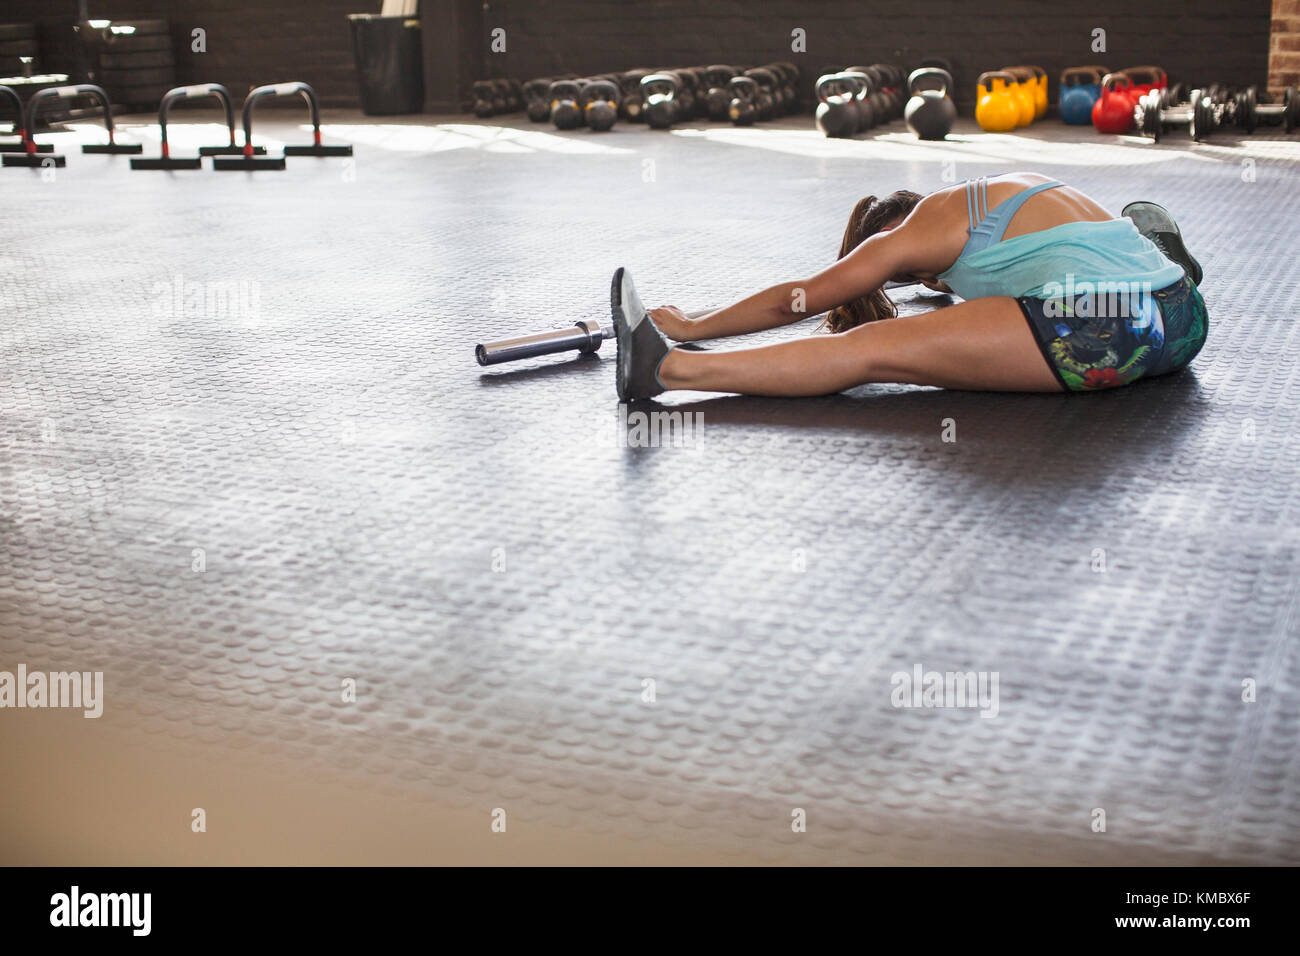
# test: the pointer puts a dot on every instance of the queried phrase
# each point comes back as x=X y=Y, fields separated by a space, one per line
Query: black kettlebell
x=538 y=103
x=865 y=114
x=766 y=82
x=743 y=108
x=836 y=114
x=565 y=111
x=717 y=99
x=929 y=113
x=500 y=96
x=792 y=86
x=632 y=106
x=875 y=98
x=482 y=91
x=890 y=88
x=600 y=104
x=660 y=93
x=684 y=100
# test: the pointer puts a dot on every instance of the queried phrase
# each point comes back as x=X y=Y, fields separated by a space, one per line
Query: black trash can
x=390 y=64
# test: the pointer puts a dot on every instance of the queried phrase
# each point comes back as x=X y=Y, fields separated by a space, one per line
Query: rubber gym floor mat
x=248 y=457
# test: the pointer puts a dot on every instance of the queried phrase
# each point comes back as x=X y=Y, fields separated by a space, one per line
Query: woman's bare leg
x=983 y=344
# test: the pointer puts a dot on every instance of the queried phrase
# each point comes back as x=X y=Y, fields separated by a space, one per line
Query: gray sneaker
x=1154 y=222
x=641 y=346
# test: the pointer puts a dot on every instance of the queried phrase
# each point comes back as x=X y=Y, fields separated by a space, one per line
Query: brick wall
x=260 y=41
x=1284 y=46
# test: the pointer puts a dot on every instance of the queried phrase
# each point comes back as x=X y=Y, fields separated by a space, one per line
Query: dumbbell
x=600 y=104
x=1250 y=113
x=1155 y=113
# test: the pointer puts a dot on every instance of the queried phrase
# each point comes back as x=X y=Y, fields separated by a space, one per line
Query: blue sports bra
x=1038 y=264
x=988 y=227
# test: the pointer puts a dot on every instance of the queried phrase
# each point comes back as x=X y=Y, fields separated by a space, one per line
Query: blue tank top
x=1051 y=262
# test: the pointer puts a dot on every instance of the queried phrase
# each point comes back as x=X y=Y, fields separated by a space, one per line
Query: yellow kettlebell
x=1040 y=91
x=1023 y=92
x=997 y=109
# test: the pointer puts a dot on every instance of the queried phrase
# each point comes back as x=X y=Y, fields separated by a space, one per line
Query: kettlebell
x=836 y=114
x=876 y=101
x=600 y=104
x=997 y=109
x=861 y=90
x=1080 y=87
x=717 y=97
x=743 y=108
x=1113 y=111
x=483 y=92
x=632 y=106
x=766 y=84
x=565 y=112
x=684 y=101
x=1023 y=91
x=539 y=104
x=660 y=93
x=1145 y=79
x=1040 y=91
x=929 y=113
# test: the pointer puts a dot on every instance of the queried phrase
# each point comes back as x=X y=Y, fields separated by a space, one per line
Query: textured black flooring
x=230 y=506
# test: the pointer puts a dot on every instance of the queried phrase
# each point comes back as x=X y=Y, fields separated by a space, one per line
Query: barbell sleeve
x=584 y=336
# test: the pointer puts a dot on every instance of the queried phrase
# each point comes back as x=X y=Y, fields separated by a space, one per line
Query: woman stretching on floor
x=1059 y=295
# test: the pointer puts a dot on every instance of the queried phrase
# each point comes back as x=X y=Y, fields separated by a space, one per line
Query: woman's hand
x=674 y=323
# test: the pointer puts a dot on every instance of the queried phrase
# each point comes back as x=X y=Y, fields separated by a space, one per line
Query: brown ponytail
x=869 y=216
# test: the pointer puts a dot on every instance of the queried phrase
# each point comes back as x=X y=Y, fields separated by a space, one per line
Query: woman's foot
x=1154 y=222
x=641 y=346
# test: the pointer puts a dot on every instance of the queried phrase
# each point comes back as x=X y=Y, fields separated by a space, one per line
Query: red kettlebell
x=1145 y=79
x=1113 y=111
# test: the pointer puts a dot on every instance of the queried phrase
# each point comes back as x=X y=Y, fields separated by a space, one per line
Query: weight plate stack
x=1246 y=116
x=1202 y=121
x=18 y=42
x=136 y=64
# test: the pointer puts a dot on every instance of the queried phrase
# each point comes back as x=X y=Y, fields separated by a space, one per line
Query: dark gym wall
x=260 y=41
x=249 y=42
x=1194 y=40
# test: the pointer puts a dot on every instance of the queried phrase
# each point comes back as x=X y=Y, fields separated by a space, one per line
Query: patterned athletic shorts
x=1100 y=339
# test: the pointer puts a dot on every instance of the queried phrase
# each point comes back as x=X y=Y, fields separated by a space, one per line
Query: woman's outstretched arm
x=912 y=246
